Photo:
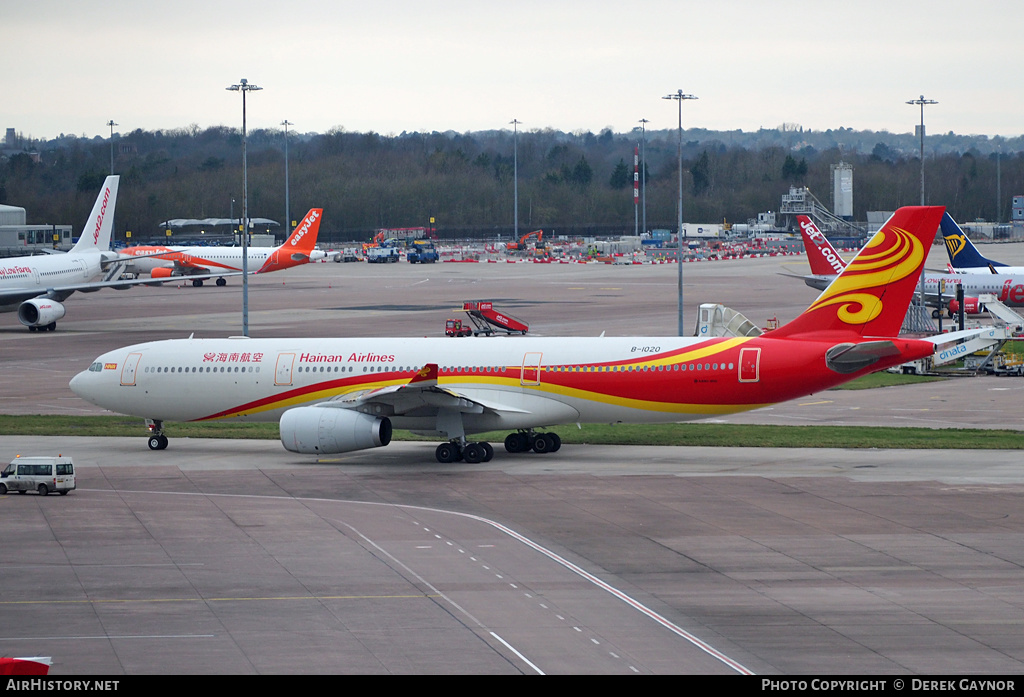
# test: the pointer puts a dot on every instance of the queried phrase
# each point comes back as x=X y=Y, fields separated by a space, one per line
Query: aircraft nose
x=79 y=382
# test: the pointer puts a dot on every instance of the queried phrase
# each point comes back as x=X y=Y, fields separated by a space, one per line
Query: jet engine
x=40 y=312
x=325 y=430
x=163 y=272
x=972 y=306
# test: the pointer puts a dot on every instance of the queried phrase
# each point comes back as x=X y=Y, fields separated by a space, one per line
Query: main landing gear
x=519 y=442
x=157 y=439
x=453 y=451
x=524 y=441
x=198 y=282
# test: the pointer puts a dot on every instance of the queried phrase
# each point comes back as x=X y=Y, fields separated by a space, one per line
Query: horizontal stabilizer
x=849 y=358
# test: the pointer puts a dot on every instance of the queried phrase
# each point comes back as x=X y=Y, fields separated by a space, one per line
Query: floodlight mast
x=922 y=101
x=244 y=87
x=680 y=97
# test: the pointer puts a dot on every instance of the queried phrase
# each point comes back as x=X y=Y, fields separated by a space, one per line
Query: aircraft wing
x=9 y=296
x=420 y=393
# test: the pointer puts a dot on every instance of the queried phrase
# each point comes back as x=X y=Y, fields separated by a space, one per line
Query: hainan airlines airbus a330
x=340 y=395
x=164 y=262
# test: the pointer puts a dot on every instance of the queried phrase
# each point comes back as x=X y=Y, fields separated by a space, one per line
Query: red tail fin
x=870 y=297
x=821 y=255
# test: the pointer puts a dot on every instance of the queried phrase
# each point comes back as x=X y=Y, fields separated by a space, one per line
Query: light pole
x=244 y=87
x=922 y=101
x=680 y=97
x=112 y=124
x=287 y=198
x=643 y=170
x=515 y=175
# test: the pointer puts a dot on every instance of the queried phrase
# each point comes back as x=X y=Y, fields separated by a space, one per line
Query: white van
x=42 y=474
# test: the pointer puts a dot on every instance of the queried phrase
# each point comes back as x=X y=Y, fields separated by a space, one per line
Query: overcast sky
x=70 y=66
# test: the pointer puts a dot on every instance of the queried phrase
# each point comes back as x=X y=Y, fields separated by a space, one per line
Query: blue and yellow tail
x=962 y=253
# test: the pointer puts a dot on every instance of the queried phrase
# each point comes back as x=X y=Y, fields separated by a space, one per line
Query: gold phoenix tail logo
x=892 y=255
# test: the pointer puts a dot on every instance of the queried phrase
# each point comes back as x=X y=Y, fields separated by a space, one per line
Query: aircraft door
x=283 y=372
x=128 y=370
x=531 y=369
x=750 y=365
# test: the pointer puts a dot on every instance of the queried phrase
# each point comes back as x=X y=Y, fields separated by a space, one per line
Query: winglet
x=870 y=297
x=426 y=376
x=821 y=255
x=98 y=228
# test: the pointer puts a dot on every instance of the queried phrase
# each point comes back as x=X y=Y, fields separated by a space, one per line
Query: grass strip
x=688 y=434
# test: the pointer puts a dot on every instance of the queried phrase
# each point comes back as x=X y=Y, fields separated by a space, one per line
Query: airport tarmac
x=239 y=557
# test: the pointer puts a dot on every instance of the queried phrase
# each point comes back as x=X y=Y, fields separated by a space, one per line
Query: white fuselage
x=520 y=382
x=211 y=259
x=36 y=274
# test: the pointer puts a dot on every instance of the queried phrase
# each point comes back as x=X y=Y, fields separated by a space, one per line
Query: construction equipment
x=521 y=244
x=421 y=251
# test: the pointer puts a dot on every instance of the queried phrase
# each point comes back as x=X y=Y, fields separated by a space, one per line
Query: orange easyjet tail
x=870 y=297
x=298 y=248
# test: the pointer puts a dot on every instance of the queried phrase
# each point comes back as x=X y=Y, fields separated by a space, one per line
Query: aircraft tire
x=198 y=283
x=222 y=281
x=158 y=442
x=446 y=453
x=516 y=443
x=488 y=451
x=51 y=327
x=556 y=441
x=542 y=444
x=474 y=453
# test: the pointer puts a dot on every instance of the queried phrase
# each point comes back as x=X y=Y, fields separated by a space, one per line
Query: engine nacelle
x=163 y=272
x=325 y=430
x=39 y=312
x=971 y=307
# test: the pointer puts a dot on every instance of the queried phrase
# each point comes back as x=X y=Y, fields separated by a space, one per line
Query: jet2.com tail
x=98 y=228
x=871 y=296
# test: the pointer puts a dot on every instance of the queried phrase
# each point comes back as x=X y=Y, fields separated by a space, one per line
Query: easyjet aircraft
x=825 y=263
x=340 y=395
x=163 y=262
